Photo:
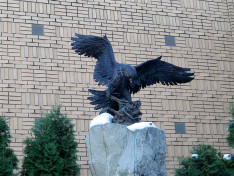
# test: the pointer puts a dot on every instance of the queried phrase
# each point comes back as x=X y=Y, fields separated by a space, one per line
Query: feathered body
x=122 y=79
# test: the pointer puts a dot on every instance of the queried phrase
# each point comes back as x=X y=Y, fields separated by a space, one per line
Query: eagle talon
x=108 y=95
x=127 y=112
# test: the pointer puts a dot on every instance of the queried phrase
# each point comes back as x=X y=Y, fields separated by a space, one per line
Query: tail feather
x=99 y=99
x=97 y=92
x=101 y=105
x=95 y=102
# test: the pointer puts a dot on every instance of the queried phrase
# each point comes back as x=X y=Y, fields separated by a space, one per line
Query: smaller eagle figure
x=122 y=80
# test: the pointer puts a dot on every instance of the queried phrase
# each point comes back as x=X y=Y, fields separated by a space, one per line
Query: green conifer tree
x=52 y=149
x=207 y=163
x=229 y=164
x=8 y=160
x=230 y=138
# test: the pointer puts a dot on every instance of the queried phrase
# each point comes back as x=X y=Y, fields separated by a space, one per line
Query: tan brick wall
x=39 y=71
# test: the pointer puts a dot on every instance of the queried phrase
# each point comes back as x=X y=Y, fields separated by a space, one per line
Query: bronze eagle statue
x=122 y=80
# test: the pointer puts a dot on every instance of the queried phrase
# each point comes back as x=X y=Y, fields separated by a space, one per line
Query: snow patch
x=227 y=156
x=194 y=155
x=141 y=125
x=101 y=119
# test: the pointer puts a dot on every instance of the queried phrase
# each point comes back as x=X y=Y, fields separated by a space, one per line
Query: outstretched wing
x=99 y=48
x=155 y=71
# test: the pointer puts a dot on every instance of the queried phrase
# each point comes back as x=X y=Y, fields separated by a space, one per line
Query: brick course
x=37 y=72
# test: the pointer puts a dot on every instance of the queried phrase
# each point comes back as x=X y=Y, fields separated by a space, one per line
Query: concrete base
x=116 y=151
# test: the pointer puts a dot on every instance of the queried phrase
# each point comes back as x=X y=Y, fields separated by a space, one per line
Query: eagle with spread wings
x=122 y=80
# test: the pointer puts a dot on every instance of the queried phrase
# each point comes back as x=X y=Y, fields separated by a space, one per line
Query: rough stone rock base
x=116 y=151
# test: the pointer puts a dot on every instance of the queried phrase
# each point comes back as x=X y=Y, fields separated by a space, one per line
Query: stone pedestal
x=114 y=150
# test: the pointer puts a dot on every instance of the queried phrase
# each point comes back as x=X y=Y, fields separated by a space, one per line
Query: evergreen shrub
x=8 y=160
x=230 y=138
x=52 y=149
x=208 y=163
x=229 y=164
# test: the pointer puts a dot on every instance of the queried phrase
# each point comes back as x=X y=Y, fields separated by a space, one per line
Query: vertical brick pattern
x=37 y=72
x=230 y=4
